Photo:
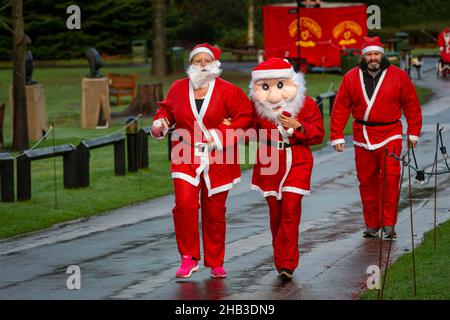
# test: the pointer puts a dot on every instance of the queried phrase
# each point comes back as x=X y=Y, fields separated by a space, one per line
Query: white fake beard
x=201 y=77
x=293 y=106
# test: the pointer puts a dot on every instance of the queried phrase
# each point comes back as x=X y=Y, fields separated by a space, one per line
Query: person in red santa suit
x=288 y=122
x=376 y=94
x=444 y=48
x=444 y=44
x=196 y=106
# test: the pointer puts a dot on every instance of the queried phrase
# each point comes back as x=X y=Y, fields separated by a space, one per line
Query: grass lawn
x=433 y=282
x=106 y=191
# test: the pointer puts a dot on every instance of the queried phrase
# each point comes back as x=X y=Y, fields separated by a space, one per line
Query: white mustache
x=202 y=76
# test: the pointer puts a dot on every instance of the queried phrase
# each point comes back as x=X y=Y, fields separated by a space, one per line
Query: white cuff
x=413 y=138
x=216 y=139
x=285 y=133
x=337 y=141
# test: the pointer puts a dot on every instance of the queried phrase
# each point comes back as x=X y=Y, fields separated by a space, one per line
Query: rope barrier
x=36 y=144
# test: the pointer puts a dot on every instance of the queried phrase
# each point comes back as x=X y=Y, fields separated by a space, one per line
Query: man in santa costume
x=196 y=106
x=444 y=48
x=444 y=42
x=376 y=94
x=288 y=123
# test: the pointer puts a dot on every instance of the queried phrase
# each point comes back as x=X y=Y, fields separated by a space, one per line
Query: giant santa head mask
x=276 y=88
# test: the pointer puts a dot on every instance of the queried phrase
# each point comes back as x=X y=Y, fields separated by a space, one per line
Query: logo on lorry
x=310 y=32
x=346 y=32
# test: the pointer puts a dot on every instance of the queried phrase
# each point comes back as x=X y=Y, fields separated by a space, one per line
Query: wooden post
x=36 y=115
x=95 y=101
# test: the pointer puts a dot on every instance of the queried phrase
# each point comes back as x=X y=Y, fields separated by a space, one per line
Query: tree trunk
x=159 y=63
x=251 y=23
x=145 y=102
x=20 y=134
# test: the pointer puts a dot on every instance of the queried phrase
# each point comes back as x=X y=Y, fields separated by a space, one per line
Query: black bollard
x=319 y=101
x=83 y=155
x=132 y=144
x=119 y=158
x=332 y=97
x=23 y=178
x=143 y=148
x=6 y=177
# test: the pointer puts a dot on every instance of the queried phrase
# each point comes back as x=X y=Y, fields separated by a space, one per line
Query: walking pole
x=411 y=219
x=435 y=185
x=396 y=215
x=54 y=167
x=140 y=164
x=383 y=191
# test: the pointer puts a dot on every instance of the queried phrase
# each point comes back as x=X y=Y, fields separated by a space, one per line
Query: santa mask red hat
x=214 y=52
x=372 y=44
x=290 y=94
x=273 y=68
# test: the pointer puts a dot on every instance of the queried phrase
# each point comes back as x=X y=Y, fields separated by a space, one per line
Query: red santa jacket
x=279 y=169
x=393 y=94
x=223 y=100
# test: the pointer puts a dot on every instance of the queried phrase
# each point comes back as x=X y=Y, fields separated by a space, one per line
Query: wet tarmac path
x=131 y=253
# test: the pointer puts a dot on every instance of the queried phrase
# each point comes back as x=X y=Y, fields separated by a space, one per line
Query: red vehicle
x=324 y=32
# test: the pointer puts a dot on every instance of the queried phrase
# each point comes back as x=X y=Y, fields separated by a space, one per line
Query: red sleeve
x=166 y=106
x=240 y=111
x=441 y=42
x=341 y=112
x=411 y=108
x=313 y=131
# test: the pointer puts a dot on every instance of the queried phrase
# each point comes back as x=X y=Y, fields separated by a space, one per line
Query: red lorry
x=324 y=32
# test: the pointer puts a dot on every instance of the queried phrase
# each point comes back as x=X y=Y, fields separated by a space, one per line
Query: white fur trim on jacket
x=413 y=138
x=337 y=141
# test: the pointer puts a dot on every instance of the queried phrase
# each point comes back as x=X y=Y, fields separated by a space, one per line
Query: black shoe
x=370 y=233
x=285 y=274
x=389 y=233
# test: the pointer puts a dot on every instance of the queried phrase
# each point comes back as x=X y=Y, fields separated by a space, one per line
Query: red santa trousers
x=370 y=172
x=285 y=215
x=185 y=218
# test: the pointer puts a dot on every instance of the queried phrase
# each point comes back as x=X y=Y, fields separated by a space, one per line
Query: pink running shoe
x=218 y=272
x=188 y=265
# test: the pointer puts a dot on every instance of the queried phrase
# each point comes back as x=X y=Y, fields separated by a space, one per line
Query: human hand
x=227 y=121
x=339 y=147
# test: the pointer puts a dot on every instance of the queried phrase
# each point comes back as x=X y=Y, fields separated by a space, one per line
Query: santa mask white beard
x=201 y=77
x=293 y=106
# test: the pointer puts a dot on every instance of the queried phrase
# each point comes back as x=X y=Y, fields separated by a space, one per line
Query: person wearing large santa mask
x=376 y=94
x=288 y=122
x=196 y=106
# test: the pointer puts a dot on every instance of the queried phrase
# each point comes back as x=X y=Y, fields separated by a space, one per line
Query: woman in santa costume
x=196 y=106
x=288 y=123
x=376 y=94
